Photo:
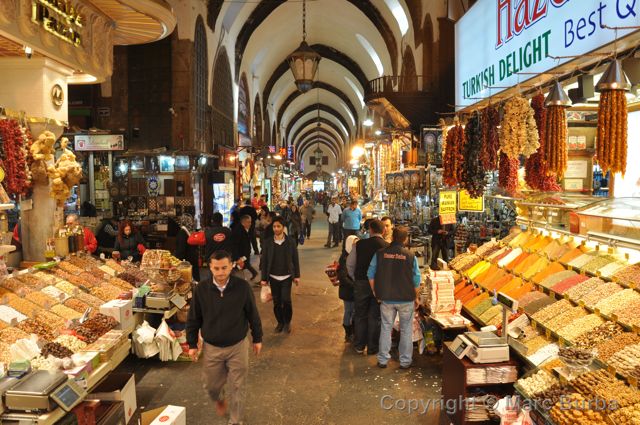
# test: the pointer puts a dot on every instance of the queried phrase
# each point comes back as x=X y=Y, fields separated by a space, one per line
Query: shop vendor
x=440 y=236
x=90 y=242
x=129 y=243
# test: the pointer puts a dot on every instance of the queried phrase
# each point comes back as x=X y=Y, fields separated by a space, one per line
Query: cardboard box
x=166 y=415
x=121 y=310
x=118 y=387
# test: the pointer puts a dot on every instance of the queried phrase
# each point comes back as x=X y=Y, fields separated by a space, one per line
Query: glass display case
x=552 y=209
x=616 y=218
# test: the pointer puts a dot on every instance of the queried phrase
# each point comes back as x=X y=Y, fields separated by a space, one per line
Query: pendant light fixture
x=557 y=96
x=614 y=78
x=304 y=61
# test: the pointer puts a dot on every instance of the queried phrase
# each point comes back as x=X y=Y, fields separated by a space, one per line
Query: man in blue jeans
x=394 y=277
x=351 y=218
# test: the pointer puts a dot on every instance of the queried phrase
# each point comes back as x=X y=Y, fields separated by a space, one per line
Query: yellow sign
x=448 y=207
x=58 y=17
x=1 y=175
x=467 y=203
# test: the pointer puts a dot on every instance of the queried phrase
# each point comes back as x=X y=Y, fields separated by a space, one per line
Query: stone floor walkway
x=310 y=376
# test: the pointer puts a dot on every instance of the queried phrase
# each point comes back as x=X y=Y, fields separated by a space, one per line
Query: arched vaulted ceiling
x=313 y=143
x=312 y=109
x=324 y=132
x=312 y=121
x=337 y=146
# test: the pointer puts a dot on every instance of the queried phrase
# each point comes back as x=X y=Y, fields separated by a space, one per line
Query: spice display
x=571 y=255
x=15 y=141
x=537 y=383
x=567 y=316
x=71 y=342
x=490 y=139
x=580 y=326
x=629 y=276
x=65 y=312
x=602 y=333
x=41 y=299
x=551 y=311
x=518 y=130
x=583 y=260
x=530 y=297
x=608 y=348
x=56 y=322
x=612 y=268
x=556 y=278
x=618 y=300
x=492 y=312
x=473 y=175
x=600 y=293
x=10 y=335
x=565 y=285
x=535 y=268
x=453 y=158
x=575 y=409
x=76 y=304
x=537 y=174
x=556 y=143
x=583 y=288
x=56 y=349
x=508 y=174
x=32 y=326
x=611 y=146
x=599 y=262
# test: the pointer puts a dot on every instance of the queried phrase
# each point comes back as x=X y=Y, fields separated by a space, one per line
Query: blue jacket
x=351 y=218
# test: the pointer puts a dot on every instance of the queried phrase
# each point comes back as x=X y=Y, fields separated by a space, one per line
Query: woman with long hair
x=295 y=224
x=129 y=242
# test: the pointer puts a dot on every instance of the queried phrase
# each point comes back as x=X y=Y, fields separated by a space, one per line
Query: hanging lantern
x=557 y=96
x=614 y=78
x=304 y=61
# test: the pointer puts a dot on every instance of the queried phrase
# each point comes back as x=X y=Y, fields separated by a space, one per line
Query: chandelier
x=304 y=61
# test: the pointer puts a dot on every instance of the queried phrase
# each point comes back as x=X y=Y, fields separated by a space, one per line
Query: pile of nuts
x=120 y=283
x=581 y=326
x=70 y=268
x=606 y=387
x=92 y=280
x=71 y=342
x=626 y=360
x=89 y=299
x=618 y=300
x=42 y=299
x=10 y=335
x=67 y=287
x=600 y=293
x=572 y=354
x=552 y=395
x=77 y=305
x=582 y=289
x=606 y=349
x=24 y=306
x=629 y=276
x=573 y=410
x=106 y=292
x=56 y=322
x=551 y=311
x=537 y=383
x=567 y=316
x=56 y=350
x=629 y=313
x=32 y=326
x=65 y=312
x=95 y=327
x=43 y=363
x=602 y=333
x=629 y=415
x=113 y=264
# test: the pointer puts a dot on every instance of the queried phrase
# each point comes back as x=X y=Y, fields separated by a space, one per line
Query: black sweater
x=223 y=319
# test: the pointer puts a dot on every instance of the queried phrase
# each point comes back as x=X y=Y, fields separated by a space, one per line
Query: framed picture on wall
x=137 y=163
x=167 y=164
x=182 y=163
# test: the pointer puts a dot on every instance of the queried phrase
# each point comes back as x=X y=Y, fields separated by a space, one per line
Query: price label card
x=548 y=333
x=632 y=381
x=614 y=317
x=611 y=370
x=534 y=324
x=636 y=329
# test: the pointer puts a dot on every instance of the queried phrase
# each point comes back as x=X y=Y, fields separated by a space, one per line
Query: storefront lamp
x=378 y=132
x=357 y=151
x=203 y=160
x=367 y=122
x=304 y=61
x=614 y=78
x=557 y=96
x=277 y=157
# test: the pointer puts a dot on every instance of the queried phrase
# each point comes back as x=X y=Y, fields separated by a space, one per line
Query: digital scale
x=486 y=347
x=43 y=391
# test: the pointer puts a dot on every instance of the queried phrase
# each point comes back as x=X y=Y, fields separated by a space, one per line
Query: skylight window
x=398 y=13
x=355 y=88
x=372 y=53
x=346 y=109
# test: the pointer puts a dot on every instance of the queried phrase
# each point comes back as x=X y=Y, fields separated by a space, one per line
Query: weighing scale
x=43 y=391
x=487 y=347
x=6 y=383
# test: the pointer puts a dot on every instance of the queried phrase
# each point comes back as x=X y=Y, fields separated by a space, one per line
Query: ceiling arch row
x=313 y=108
x=330 y=103
x=319 y=131
x=312 y=122
x=312 y=144
x=336 y=147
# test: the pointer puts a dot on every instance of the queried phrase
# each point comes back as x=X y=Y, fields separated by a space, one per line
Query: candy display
x=537 y=383
x=607 y=387
x=573 y=411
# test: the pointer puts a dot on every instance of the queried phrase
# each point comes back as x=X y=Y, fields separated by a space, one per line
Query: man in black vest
x=394 y=277
x=367 y=317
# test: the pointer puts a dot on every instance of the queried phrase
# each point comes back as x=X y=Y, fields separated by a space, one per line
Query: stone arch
x=200 y=81
x=257 y=122
x=222 y=101
x=213 y=11
x=244 y=106
x=427 y=51
x=409 y=81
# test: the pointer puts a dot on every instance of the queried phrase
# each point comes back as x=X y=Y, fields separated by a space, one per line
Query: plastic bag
x=265 y=294
x=144 y=343
x=170 y=348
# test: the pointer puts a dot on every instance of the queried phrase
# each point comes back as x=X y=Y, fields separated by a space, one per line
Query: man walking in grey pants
x=223 y=308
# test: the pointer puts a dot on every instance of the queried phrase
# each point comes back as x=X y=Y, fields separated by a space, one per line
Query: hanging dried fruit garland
x=453 y=159
x=556 y=149
x=13 y=154
x=537 y=174
x=508 y=174
x=611 y=146
x=472 y=171
x=490 y=139
x=518 y=132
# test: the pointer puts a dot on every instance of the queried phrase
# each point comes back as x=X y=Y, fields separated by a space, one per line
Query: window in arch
x=372 y=53
x=398 y=12
x=200 y=80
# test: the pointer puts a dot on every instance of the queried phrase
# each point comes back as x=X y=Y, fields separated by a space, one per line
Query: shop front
x=545 y=123
x=220 y=182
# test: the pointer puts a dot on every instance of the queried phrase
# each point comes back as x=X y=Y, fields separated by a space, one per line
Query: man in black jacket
x=218 y=237
x=247 y=209
x=367 y=316
x=222 y=309
x=280 y=268
x=241 y=242
x=440 y=234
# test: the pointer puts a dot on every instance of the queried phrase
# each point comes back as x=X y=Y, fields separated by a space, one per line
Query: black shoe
x=405 y=367
x=335 y=245
x=287 y=328
x=372 y=352
x=382 y=366
x=327 y=245
x=279 y=328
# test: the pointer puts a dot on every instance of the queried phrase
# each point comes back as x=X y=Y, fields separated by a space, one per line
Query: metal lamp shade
x=614 y=78
x=557 y=96
x=304 y=64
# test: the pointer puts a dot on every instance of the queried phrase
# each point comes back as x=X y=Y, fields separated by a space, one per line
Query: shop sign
x=497 y=40
x=272 y=149
x=99 y=142
x=468 y=204
x=448 y=206
x=291 y=153
x=60 y=18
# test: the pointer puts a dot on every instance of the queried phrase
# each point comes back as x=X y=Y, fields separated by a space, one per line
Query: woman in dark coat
x=129 y=243
x=295 y=224
x=345 y=290
x=184 y=251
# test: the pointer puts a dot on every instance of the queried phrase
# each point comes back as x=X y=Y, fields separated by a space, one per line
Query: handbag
x=265 y=294
x=301 y=239
x=197 y=239
x=332 y=273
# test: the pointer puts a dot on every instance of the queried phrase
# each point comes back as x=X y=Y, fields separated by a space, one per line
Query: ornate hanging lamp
x=304 y=61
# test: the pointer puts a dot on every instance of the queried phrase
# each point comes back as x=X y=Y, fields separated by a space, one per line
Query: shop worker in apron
x=394 y=277
x=223 y=309
x=440 y=234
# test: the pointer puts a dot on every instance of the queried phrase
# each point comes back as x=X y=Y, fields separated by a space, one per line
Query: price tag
x=547 y=332
x=563 y=342
x=534 y=324
x=635 y=329
x=597 y=311
x=611 y=370
x=633 y=381
x=614 y=317
x=570 y=268
x=598 y=274
x=566 y=296
x=581 y=303
x=520 y=309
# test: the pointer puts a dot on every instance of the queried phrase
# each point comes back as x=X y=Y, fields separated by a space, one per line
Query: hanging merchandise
x=473 y=176
x=66 y=174
x=453 y=158
x=518 y=133
x=490 y=139
x=537 y=174
x=508 y=174
x=15 y=141
x=556 y=150
x=611 y=144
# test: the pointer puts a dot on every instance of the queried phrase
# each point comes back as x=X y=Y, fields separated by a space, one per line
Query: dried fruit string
x=556 y=152
x=490 y=139
x=611 y=146
x=453 y=158
x=537 y=174
x=473 y=175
